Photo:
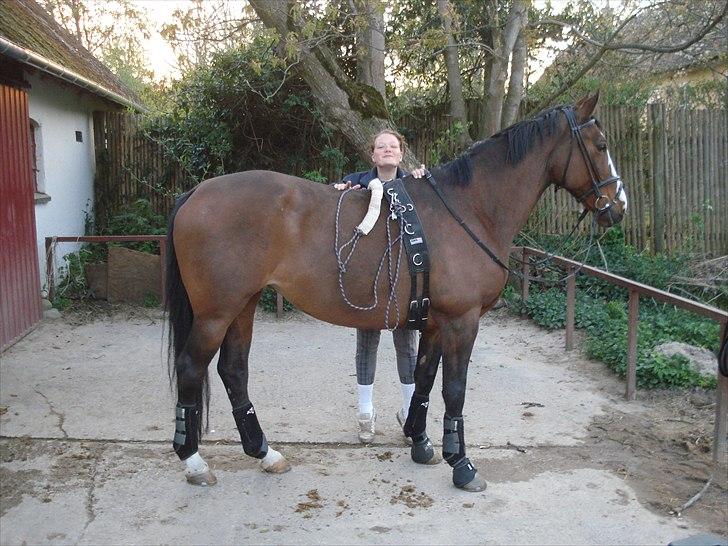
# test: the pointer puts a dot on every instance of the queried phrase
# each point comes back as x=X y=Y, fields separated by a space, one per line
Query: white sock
x=407 y=391
x=366 y=393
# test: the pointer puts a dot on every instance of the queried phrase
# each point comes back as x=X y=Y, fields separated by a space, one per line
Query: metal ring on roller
x=407 y=228
x=415 y=257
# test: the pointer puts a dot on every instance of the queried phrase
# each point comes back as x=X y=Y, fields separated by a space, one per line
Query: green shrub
x=268 y=301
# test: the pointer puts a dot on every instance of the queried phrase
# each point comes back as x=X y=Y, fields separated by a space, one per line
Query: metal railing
x=720 y=440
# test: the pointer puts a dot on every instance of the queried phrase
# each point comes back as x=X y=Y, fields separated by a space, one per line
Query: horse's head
x=581 y=164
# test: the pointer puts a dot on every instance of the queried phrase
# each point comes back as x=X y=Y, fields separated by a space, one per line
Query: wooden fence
x=674 y=164
x=130 y=166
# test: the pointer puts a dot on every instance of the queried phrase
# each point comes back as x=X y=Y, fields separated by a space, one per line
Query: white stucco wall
x=67 y=166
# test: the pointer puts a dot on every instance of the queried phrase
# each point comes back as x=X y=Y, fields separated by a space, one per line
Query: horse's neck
x=509 y=194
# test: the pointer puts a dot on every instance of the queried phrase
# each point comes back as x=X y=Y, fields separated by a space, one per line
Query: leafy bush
x=73 y=284
x=137 y=218
x=243 y=110
x=268 y=301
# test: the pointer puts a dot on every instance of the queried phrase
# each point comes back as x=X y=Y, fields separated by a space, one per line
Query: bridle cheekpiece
x=602 y=203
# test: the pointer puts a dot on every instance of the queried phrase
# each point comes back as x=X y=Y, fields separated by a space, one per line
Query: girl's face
x=387 y=151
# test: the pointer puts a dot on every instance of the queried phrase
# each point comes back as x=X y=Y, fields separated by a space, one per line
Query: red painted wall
x=20 y=297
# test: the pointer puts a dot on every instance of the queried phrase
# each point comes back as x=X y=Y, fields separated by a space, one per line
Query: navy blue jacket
x=364 y=177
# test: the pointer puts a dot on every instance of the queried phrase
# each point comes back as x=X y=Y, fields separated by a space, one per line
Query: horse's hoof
x=435 y=459
x=280 y=466
x=422 y=452
x=204 y=477
x=475 y=485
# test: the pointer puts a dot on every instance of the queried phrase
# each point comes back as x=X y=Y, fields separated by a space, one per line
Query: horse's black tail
x=178 y=309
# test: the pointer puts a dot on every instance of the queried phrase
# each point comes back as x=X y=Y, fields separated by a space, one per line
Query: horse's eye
x=602 y=146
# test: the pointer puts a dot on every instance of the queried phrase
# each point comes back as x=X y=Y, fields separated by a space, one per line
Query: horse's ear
x=585 y=107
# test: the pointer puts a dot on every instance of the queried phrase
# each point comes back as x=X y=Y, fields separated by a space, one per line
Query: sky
x=159 y=53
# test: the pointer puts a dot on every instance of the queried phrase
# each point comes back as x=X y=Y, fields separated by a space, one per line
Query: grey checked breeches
x=405 y=346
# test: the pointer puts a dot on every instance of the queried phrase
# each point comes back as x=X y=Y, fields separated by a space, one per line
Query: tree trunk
x=503 y=47
x=491 y=38
x=515 y=84
x=458 y=113
x=370 y=45
x=358 y=111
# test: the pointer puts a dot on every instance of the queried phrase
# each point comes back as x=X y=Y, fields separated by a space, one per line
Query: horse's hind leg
x=233 y=369
x=428 y=359
x=191 y=369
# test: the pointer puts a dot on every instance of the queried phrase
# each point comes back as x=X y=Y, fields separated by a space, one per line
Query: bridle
x=602 y=203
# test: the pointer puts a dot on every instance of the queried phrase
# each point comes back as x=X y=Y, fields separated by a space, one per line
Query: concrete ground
x=86 y=419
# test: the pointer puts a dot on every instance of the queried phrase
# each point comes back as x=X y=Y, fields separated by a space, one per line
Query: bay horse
x=233 y=235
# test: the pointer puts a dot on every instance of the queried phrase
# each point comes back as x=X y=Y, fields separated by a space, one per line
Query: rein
x=489 y=252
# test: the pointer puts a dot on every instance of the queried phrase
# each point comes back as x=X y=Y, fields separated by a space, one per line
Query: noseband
x=597 y=184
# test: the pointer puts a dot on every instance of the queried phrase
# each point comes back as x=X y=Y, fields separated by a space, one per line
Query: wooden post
x=279 y=305
x=720 y=439
x=657 y=112
x=570 y=308
x=526 y=270
x=632 y=323
x=49 y=267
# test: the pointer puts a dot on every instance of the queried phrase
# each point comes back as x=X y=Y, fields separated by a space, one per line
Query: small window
x=36 y=162
x=79 y=136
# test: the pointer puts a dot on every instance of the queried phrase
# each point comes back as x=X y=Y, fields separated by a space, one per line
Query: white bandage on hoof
x=197 y=472
x=375 y=203
x=274 y=462
x=195 y=463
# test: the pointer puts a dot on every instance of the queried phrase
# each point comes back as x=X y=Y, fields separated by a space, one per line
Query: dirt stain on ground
x=314 y=502
x=409 y=496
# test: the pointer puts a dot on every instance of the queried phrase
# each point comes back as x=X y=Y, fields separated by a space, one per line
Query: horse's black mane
x=521 y=138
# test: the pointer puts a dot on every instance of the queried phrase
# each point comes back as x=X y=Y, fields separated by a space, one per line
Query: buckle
x=605 y=207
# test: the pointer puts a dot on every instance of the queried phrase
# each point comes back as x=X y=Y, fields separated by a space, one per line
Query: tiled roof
x=27 y=25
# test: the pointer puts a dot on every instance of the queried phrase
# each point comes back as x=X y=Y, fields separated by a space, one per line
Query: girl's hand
x=345 y=186
x=419 y=172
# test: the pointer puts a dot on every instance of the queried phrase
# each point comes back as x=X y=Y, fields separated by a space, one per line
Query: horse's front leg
x=458 y=338
x=428 y=359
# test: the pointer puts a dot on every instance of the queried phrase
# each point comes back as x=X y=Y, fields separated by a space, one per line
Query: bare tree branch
x=588 y=66
x=610 y=45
